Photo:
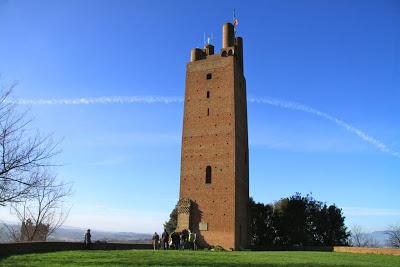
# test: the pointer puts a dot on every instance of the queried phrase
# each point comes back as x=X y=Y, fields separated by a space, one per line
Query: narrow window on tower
x=208 y=94
x=208 y=112
x=209 y=76
x=208 y=175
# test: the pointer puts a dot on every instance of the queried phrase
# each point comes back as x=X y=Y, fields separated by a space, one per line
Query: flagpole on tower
x=235 y=20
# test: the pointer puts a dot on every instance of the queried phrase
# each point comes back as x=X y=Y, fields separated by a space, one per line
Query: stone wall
x=388 y=251
x=7 y=249
x=293 y=248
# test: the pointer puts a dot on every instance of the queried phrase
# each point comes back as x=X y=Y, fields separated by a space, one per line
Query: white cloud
x=360 y=211
x=168 y=100
x=274 y=138
x=138 y=138
x=109 y=162
x=105 y=218
x=100 y=100
x=121 y=220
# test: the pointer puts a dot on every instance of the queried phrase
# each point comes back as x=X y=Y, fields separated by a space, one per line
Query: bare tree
x=22 y=152
x=2 y=233
x=359 y=238
x=11 y=232
x=393 y=233
x=44 y=212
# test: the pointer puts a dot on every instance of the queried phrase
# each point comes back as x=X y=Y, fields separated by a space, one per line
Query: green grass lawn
x=198 y=258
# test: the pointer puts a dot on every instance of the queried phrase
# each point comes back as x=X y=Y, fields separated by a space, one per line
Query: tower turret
x=228 y=35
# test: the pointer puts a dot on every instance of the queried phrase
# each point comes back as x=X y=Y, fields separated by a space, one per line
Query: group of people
x=176 y=240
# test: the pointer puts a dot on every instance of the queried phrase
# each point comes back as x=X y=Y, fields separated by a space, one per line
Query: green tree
x=336 y=234
x=290 y=220
x=172 y=223
x=297 y=220
x=261 y=230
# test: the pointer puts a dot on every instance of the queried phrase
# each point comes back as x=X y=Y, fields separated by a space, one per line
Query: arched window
x=224 y=54
x=230 y=53
x=208 y=175
x=208 y=94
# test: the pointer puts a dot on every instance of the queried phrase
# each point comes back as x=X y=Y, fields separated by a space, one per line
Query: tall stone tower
x=214 y=182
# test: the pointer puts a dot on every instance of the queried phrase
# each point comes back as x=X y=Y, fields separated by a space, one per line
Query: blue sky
x=337 y=57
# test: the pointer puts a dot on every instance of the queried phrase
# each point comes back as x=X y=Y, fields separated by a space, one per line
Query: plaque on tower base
x=203 y=226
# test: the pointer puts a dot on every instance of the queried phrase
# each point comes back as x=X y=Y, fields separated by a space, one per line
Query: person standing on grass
x=164 y=239
x=170 y=243
x=181 y=246
x=156 y=239
x=192 y=240
x=88 y=239
x=175 y=236
x=195 y=241
x=184 y=238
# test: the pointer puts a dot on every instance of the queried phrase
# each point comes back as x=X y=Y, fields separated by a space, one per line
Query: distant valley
x=77 y=234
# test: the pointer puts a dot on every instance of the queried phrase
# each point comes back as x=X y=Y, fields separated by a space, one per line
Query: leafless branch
x=393 y=233
x=359 y=238
x=22 y=152
x=45 y=211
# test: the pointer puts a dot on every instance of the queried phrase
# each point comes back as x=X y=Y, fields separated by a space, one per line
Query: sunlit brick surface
x=215 y=134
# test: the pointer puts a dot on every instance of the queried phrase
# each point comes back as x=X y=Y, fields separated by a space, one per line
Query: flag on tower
x=235 y=20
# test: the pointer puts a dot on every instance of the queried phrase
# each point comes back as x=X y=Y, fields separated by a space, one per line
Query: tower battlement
x=231 y=46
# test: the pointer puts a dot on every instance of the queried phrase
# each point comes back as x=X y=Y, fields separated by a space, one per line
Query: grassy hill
x=199 y=258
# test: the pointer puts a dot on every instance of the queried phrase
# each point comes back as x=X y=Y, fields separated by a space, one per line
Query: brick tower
x=214 y=182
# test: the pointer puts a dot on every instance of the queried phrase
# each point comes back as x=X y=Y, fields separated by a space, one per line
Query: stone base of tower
x=208 y=231
x=184 y=210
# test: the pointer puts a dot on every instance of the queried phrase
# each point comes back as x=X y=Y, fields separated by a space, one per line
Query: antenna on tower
x=207 y=39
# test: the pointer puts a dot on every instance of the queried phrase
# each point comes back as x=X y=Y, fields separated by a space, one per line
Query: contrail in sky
x=296 y=106
x=170 y=100
x=101 y=100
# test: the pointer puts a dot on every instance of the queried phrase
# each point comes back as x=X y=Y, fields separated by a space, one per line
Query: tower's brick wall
x=215 y=135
